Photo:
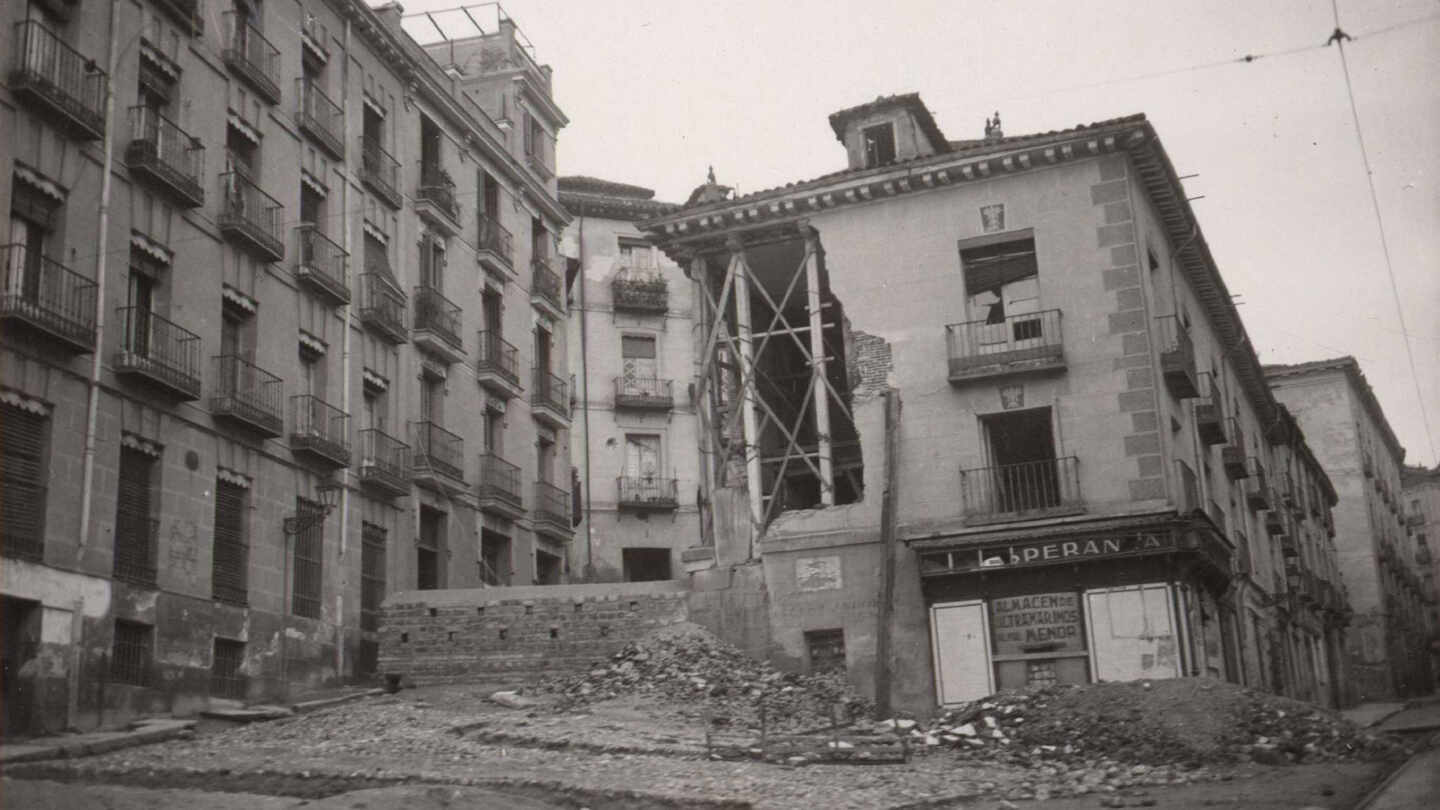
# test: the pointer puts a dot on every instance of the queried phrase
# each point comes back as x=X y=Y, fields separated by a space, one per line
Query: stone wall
x=517 y=634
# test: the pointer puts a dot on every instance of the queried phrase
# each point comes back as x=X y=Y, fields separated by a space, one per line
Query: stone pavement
x=1416 y=786
x=143 y=732
x=1368 y=714
x=1417 y=716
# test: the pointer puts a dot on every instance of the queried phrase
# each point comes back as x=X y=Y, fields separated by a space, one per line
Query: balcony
x=62 y=83
x=162 y=153
x=1232 y=455
x=495 y=249
x=384 y=463
x=321 y=265
x=47 y=298
x=1018 y=344
x=640 y=292
x=547 y=291
x=439 y=456
x=1177 y=357
x=1024 y=491
x=437 y=325
x=159 y=352
x=1289 y=495
x=319 y=430
x=549 y=399
x=435 y=199
x=647 y=493
x=250 y=56
x=320 y=118
x=499 y=489
x=551 y=512
x=1209 y=425
x=185 y=13
x=136 y=548
x=1257 y=489
x=315 y=39
x=248 y=396
x=643 y=394
x=250 y=216
x=382 y=308
x=380 y=172
x=497 y=366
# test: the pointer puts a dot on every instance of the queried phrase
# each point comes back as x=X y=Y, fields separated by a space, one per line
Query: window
x=879 y=142
x=375 y=410
x=432 y=399
x=22 y=482
x=545 y=458
x=492 y=432
x=494 y=558
x=312 y=373
x=539 y=240
x=432 y=263
x=231 y=558
x=638 y=362
x=226 y=677
x=636 y=255
x=1025 y=474
x=308 y=565
x=534 y=139
x=548 y=568
x=1002 y=282
x=825 y=649
x=489 y=197
x=429 y=151
x=136 y=531
x=429 y=569
x=492 y=307
x=130 y=653
x=642 y=456
x=372 y=574
x=542 y=350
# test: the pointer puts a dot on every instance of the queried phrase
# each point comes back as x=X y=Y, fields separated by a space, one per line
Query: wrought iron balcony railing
x=439 y=315
x=66 y=84
x=1177 y=356
x=1232 y=454
x=47 y=296
x=437 y=450
x=322 y=264
x=545 y=284
x=495 y=356
x=384 y=461
x=249 y=394
x=1257 y=488
x=159 y=350
x=320 y=117
x=167 y=154
x=250 y=214
x=497 y=242
x=437 y=188
x=1014 y=491
x=550 y=393
x=499 y=480
x=136 y=545
x=319 y=428
x=382 y=307
x=636 y=291
x=644 y=393
x=251 y=56
x=380 y=172
x=1026 y=342
x=552 y=508
x=647 y=492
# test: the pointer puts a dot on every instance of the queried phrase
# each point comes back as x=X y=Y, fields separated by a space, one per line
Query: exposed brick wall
x=870 y=365
x=518 y=633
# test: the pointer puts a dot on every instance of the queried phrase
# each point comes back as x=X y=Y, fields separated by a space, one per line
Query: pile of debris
x=698 y=675
x=1189 y=722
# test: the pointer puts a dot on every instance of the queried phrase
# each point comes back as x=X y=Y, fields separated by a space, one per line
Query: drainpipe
x=92 y=405
x=344 y=363
x=585 y=407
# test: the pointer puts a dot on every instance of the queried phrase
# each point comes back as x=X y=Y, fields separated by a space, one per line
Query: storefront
x=1111 y=600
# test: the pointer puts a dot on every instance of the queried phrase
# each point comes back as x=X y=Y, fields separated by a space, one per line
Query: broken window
x=879 y=143
x=825 y=650
x=1002 y=287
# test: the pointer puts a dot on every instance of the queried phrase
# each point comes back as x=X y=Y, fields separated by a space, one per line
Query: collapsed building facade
x=981 y=414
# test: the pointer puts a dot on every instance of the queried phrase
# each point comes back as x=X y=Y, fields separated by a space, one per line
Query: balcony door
x=638 y=364
x=27 y=247
x=1002 y=286
x=140 y=303
x=1022 y=460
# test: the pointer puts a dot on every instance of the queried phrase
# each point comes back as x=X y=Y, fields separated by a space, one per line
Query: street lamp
x=328 y=492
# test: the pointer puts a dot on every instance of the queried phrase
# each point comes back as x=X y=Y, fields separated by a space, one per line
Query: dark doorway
x=1022 y=457
x=494 y=558
x=20 y=642
x=547 y=568
x=645 y=564
x=429 y=550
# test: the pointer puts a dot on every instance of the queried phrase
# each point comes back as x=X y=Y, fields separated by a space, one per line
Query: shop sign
x=1040 y=622
x=1044 y=552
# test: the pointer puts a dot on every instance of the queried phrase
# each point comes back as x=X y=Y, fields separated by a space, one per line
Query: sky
x=658 y=91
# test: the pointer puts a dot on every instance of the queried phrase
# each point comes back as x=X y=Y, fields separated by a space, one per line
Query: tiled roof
x=609 y=188
x=593 y=197
x=910 y=101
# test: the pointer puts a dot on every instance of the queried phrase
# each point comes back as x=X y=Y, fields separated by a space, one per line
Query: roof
x=1350 y=367
x=594 y=185
x=607 y=199
x=909 y=101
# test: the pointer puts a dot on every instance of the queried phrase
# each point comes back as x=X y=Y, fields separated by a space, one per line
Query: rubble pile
x=699 y=675
x=1186 y=722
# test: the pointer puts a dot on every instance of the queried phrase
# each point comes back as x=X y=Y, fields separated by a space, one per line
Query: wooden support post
x=817 y=366
x=747 y=403
x=699 y=278
x=888 y=520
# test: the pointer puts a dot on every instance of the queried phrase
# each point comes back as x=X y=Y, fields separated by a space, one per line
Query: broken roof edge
x=1351 y=368
x=910 y=101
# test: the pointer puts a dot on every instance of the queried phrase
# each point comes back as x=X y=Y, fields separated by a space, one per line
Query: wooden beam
x=817 y=366
x=888 y=521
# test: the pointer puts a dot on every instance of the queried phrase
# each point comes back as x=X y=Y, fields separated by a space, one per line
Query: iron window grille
x=231 y=557
x=226 y=678
x=130 y=653
x=308 y=556
x=372 y=574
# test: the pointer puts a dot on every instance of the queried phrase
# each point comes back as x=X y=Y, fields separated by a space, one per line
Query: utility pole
x=888 y=521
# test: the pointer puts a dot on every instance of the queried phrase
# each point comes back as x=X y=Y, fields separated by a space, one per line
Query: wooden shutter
x=22 y=490
x=231 y=552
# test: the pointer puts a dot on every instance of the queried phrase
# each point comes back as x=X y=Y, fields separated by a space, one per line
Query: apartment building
x=262 y=260
x=634 y=426
x=981 y=414
x=1382 y=565
x=1421 y=497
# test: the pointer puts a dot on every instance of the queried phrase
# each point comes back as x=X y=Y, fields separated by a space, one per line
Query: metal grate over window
x=226 y=678
x=231 y=560
x=308 y=566
x=372 y=574
x=130 y=653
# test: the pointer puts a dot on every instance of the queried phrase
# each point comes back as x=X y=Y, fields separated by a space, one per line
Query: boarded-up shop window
x=825 y=649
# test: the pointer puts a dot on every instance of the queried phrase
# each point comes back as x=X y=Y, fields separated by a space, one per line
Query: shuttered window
x=309 y=566
x=22 y=478
x=136 y=531
x=372 y=574
x=231 y=558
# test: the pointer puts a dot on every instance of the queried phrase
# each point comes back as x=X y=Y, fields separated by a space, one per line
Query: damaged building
x=981 y=414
